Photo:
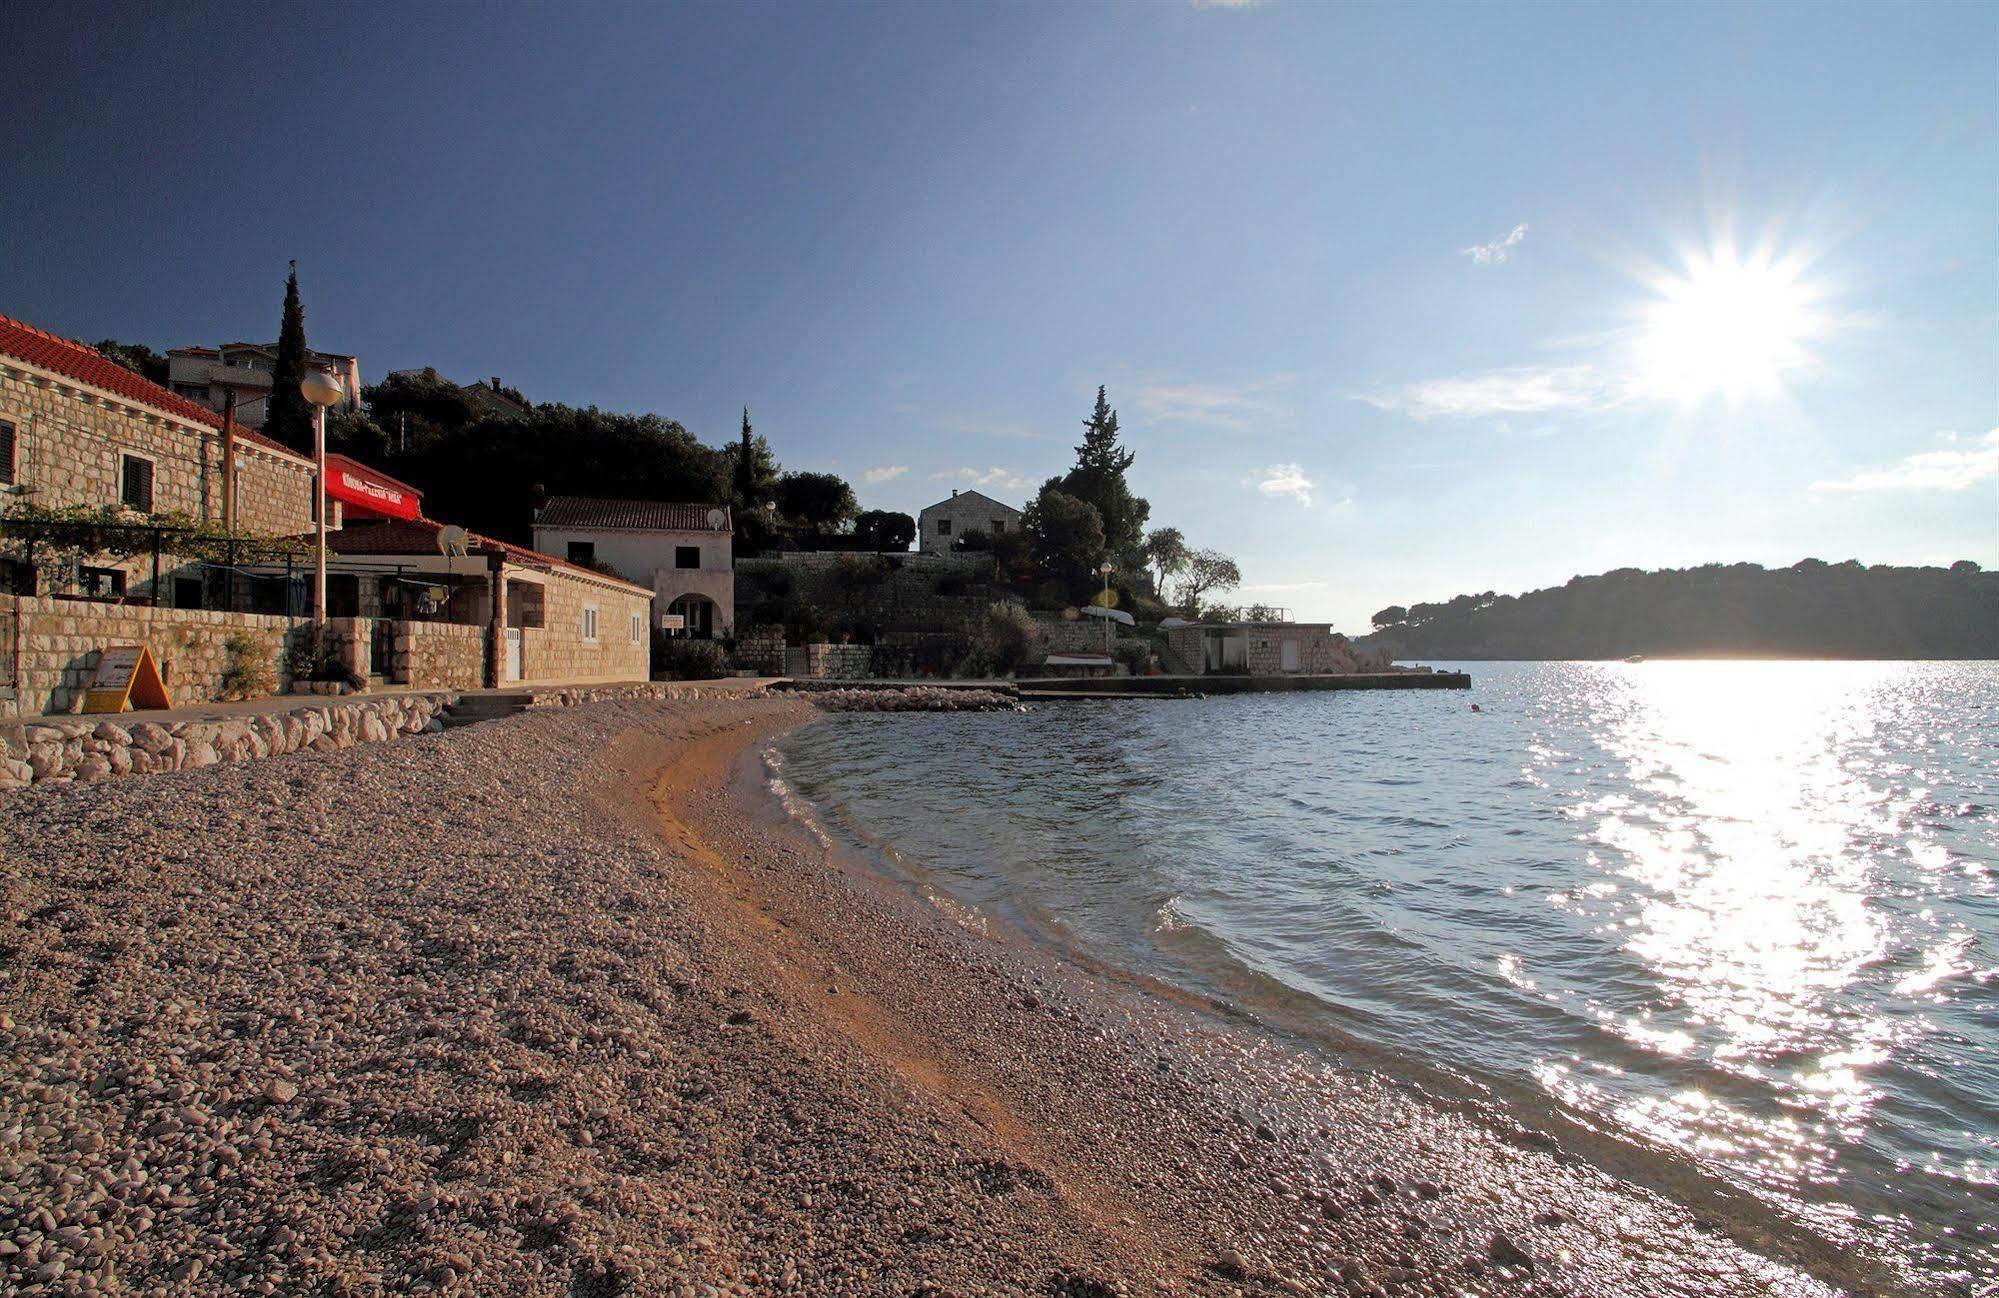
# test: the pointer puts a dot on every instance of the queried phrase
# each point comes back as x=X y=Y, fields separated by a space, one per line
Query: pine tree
x=288 y=417
x=1098 y=479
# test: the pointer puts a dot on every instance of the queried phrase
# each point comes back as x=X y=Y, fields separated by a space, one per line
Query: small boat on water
x=1635 y=658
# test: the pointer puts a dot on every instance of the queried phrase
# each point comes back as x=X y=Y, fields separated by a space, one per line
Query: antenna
x=452 y=542
x=716 y=518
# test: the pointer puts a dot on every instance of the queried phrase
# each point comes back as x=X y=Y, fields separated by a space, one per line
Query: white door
x=1289 y=655
x=512 y=662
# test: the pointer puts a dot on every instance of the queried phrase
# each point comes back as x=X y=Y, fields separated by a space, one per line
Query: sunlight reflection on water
x=1745 y=910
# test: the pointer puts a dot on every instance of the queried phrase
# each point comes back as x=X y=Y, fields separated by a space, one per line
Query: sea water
x=1744 y=913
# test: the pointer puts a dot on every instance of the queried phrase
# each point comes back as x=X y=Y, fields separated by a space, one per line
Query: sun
x=1727 y=326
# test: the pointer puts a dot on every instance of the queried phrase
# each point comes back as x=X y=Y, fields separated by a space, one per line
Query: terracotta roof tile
x=86 y=364
x=643 y=515
x=419 y=536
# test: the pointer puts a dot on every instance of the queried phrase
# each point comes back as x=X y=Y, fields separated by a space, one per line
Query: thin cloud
x=997 y=478
x=1500 y=249
x=1228 y=4
x=1521 y=390
x=1212 y=405
x=1947 y=470
x=975 y=426
x=1282 y=480
x=886 y=473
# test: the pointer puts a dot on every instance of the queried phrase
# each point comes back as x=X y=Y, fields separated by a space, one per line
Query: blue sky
x=1394 y=302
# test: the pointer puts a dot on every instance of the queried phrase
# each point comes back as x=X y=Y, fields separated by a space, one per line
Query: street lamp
x=322 y=389
x=1104 y=570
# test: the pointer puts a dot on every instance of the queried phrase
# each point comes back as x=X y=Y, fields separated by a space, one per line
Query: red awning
x=367 y=491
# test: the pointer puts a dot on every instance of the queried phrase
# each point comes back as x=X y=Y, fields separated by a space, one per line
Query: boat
x=1635 y=658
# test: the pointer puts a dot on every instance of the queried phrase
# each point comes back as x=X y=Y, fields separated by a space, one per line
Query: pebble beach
x=565 y=1004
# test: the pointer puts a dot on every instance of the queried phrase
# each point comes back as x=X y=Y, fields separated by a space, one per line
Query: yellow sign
x=126 y=676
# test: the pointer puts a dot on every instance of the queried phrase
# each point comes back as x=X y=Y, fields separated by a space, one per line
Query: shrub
x=1005 y=638
x=953 y=584
x=314 y=655
x=1135 y=655
x=248 y=673
x=675 y=658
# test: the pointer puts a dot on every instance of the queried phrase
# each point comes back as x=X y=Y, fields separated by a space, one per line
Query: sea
x=1735 y=917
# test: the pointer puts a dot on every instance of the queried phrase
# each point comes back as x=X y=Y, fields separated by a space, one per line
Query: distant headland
x=1812 y=609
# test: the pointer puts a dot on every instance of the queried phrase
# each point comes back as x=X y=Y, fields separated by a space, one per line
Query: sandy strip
x=562 y=1005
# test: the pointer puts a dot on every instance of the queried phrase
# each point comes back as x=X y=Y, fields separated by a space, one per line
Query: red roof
x=86 y=364
x=419 y=536
x=642 y=515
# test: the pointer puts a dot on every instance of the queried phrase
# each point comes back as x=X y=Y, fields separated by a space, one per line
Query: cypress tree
x=288 y=417
x=1098 y=478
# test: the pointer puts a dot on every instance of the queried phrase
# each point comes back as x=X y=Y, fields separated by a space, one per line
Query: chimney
x=954 y=493
x=496 y=383
x=540 y=498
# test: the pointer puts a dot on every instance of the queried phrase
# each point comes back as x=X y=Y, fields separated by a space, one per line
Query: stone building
x=77 y=429
x=1261 y=649
x=683 y=552
x=940 y=526
x=205 y=375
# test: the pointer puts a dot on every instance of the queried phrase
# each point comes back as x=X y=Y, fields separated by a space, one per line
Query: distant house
x=1261 y=649
x=941 y=525
x=205 y=374
x=684 y=552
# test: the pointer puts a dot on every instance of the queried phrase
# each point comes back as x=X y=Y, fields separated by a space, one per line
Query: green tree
x=136 y=357
x=821 y=503
x=1166 y=555
x=1066 y=535
x=1390 y=616
x=1207 y=570
x=881 y=529
x=288 y=417
x=752 y=487
x=1099 y=480
x=416 y=408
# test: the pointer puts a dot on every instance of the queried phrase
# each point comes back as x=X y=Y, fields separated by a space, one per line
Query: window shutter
x=6 y=452
x=138 y=484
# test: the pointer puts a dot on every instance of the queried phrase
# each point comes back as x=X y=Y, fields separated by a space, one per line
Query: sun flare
x=1727 y=326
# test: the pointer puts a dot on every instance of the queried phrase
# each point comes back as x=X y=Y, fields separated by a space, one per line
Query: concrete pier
x=1181 y=686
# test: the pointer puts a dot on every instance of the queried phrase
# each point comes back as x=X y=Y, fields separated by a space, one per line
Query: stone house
x=683 y=552
x=77 y=429
x=1260 y=649
x=205 y=375
x=941 y=525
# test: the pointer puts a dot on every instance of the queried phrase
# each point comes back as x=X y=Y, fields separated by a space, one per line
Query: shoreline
x=567 y=1003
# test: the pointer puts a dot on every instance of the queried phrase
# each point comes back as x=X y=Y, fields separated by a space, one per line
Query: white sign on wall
x=673 y=621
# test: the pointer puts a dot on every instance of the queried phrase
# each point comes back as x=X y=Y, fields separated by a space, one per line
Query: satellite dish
x=716 y=518
x=452 y=542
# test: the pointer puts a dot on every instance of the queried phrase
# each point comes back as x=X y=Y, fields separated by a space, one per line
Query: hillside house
x=945 y=523
x=683 y=552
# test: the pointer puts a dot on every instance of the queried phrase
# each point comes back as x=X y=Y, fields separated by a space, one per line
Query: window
x=687 y=556
x=193 y=391
x=589 y=622
x=187 y=592
x=17 y=578
x=638 y=627
x=135 y=482
x=584 y=552
x=100 y=583
x=943 y=527
x=6 y=451
x=999 y=525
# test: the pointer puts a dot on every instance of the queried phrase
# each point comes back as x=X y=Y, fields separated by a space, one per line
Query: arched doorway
x=697 y=617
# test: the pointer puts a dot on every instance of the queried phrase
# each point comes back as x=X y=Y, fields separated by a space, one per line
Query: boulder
x=111 y=732
x=153 y=738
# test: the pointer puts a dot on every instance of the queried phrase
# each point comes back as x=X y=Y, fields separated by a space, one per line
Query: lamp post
x=322 y=389
x=1104 y=571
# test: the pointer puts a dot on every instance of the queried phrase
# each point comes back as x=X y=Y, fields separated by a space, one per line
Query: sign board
x=126 y=676
x=673 y=621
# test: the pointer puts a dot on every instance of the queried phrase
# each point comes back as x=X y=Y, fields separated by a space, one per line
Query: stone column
x=496 y=631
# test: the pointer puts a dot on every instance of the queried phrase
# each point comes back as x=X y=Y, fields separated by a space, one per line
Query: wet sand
x=563 y=1004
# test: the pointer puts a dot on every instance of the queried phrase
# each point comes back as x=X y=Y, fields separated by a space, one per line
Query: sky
x=1394 y=302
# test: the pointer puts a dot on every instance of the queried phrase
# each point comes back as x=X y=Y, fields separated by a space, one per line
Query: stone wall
x=59 y=639
x=839 y=661
x=439 y=655
x=945 y=523
x=68 y=440
x=1059 y=635
x=761 y=650
x=558 y=651
x=89 y=750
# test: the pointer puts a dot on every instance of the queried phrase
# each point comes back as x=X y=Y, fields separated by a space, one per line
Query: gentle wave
x=1747 y=912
